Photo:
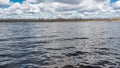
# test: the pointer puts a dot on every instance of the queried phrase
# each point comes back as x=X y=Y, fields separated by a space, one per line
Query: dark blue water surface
x=60 y=45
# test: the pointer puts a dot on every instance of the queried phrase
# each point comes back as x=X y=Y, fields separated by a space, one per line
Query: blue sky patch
x=112 y=1
x=20 y=1
x=4 y=6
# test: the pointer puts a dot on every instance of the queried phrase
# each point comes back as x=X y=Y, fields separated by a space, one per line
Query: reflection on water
x=60 y=45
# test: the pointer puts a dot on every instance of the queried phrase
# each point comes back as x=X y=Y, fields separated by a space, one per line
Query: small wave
x=118 y=58
x=16 y=38
x=105 y=53
x=22 y=38
x=103 y=48
x=69 y=47
x=81 y=66
x=102 y=52
x=39 y=42
x=88 y=66
x=104 y=62
x=10 y=65
x=54 y=48
x=76 y=53
x=52 y=36
x=29 y=43
x=15 y=65
x=14 y=55
x=68 y=66
x=109 y=38
x=28 y=66
x=70 y=39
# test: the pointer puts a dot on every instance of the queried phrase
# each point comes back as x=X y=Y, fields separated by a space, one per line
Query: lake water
x=60 y=45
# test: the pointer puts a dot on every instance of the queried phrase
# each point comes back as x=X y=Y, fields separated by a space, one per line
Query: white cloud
x=31 y=0
x=2 y=2
x=116 y=5
x=62 y=9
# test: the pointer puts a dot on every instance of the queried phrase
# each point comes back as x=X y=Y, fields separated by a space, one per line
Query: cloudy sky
x=59 y=8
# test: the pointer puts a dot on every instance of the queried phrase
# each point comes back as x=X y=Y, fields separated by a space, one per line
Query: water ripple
x=59 y=45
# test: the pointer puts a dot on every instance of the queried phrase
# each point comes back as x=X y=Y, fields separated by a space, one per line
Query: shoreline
x=61 y=20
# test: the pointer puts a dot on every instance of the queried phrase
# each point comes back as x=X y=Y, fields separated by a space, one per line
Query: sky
x=20 y=1
x=112 y=1
x=49 y=9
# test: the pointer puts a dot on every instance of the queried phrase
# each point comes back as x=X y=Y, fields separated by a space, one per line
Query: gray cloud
x=62 y=1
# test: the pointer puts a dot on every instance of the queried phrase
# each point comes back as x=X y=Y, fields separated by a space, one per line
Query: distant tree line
x=58 y=20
